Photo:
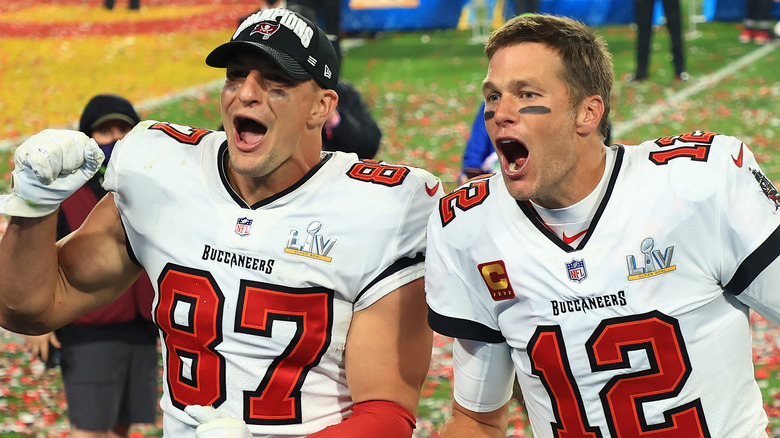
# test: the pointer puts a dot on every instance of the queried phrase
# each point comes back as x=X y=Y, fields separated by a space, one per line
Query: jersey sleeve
x=120 y=149
x=481 y=358
x=750 y=232
x=406 y=256
x=483 y=374
x=456 y=308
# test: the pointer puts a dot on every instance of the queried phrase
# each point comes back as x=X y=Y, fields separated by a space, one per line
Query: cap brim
x=220 y=56
x=113 y=116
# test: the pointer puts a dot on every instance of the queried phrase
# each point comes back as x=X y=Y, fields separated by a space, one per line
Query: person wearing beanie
x=108 y=357
x=278 y=317
x=107 y=118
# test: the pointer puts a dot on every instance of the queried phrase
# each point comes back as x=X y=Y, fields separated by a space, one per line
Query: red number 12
x=622 y=397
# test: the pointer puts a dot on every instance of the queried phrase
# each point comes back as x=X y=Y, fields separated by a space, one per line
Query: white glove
x=216 y=424
x=48 y=168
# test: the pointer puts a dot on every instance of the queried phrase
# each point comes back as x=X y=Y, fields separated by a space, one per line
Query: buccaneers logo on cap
x=266 y=28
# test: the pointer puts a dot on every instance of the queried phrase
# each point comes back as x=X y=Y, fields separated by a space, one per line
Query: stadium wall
x=382 y=15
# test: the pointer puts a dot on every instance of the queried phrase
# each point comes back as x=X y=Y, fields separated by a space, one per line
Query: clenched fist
x=48 y=168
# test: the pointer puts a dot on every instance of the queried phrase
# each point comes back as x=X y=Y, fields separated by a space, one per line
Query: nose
x=118 y=132
x=504 y=112
x=250 y=90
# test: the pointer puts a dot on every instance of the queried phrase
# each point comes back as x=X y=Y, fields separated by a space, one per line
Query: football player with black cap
x=290 y=39
x=351 y=126
x=279 y=318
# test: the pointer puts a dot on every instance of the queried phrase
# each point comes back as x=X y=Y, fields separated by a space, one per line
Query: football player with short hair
x=288 y=280
x=614 y=281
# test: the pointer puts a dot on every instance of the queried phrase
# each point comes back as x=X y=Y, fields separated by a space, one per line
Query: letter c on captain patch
x=495 y=277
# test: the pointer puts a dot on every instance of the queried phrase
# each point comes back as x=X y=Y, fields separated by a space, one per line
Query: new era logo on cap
x=298 y=46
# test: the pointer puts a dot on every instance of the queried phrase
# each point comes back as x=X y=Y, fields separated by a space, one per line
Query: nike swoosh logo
x=569 y=240
x=738 y=160
x=431 y=190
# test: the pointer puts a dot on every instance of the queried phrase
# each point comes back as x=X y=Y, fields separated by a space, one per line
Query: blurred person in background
x=526 y=6
x=643 y=10
x=757 y=22
x=329 y=13
x=133 y=5
x=109 y=356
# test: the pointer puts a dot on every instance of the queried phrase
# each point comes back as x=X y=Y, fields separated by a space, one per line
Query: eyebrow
x=514 y=85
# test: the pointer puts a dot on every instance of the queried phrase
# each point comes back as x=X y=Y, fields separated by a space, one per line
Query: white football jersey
x=254 y=302
x=642 y=328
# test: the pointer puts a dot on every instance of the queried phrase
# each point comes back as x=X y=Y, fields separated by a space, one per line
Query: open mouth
x=514 y=151
x=249 y=131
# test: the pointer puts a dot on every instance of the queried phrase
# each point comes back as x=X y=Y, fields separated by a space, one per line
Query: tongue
x=252 y=136
x=252 y=132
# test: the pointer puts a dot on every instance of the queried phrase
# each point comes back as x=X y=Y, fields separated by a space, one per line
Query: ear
x=589 y=115
x=322 y=107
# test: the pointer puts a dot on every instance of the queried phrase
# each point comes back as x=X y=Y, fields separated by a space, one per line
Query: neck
x=253 y=189
x=582 y=180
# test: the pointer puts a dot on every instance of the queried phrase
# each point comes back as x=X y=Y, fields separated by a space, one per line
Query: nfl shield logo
x=576 y=270
x=243 y=226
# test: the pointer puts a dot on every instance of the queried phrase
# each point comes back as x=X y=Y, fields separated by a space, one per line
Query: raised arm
x=387 y=357
x=46 y=284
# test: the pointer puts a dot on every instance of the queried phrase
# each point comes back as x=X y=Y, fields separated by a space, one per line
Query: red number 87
x=190 y=314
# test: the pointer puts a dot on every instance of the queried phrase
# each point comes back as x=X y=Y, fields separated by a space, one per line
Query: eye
x=528 y=95
x=279 y=80
x=492 y=97
x=234 y=73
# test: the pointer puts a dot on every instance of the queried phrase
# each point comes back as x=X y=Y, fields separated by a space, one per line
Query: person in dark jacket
x=352 y=128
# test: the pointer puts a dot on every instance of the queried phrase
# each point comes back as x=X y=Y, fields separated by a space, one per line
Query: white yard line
x=621 y=128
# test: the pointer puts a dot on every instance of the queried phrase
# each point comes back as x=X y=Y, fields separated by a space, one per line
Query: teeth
x=513 y=166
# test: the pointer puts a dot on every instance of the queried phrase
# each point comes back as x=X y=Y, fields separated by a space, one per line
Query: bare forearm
x=28 y=272
x=457 y=429
x=467 y=424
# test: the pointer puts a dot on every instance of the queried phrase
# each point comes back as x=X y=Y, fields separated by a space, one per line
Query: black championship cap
x=298 y=46
x=105 y=107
